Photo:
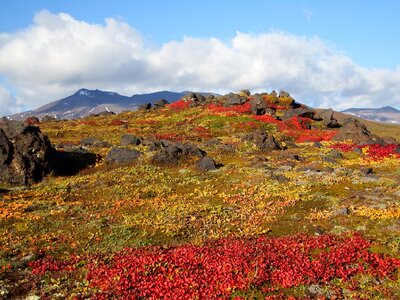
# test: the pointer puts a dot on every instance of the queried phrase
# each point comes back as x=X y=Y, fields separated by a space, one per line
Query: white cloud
x=58 y=55
x=8 y=104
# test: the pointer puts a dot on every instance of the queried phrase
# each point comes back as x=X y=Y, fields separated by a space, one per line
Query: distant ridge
x=85 y=102
x=386 y=114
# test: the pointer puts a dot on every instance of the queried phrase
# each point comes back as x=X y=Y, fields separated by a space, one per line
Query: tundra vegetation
x=230 y=197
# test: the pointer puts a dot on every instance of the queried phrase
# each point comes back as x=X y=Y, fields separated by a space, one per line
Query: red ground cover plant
x=244 y=108
x=225 y=266
x=181 y=104
x=375 y=152
x=117 y=122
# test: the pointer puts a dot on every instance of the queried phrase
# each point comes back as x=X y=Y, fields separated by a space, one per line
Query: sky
x=337 y=54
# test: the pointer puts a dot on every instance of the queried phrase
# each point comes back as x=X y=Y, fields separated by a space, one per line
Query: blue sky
x=355 y=39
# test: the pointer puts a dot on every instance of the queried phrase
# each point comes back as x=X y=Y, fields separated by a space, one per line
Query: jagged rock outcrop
x=328 y=118
x=354 y=130
x=25 y=153
x=263 y=140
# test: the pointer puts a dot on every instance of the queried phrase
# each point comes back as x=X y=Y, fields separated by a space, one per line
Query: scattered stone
x=263 y=140
x=244 y=93
x=327 y=117
x=122 y=156
x=96 y=143
x=48 y=118
x=342 y=212
x=259 y=105
x=258 y=162
x=290 y=155
x=160 y=103
x=206 y=164
x=279 y=177
x=172 y=153
x=234 y=99
x=367 y=171
x=334 y=153
x=130 y=140
x=25 y=153
x=146 y=106
x=317 y=145
x=227 y=148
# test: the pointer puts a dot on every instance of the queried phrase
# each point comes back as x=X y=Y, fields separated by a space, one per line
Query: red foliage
x=117 y=122
x=221 y=267
x=202 y=132
x=88 y=123
x=32 y=121
x=375 y=152
x=244 y=108
x=267 y=119
x=169 y=136
x=181 y=104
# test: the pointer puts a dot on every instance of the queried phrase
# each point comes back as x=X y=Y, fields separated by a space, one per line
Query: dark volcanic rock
x=263 y=140
x=130 y=140
x=48 y=119
x=298 y=112
x=146 y=106
x=160 y=103
x=25 y=153
x=93 y=142
x=172 y=153
x=356 y=131
x=122 y=156
x=259 y=105
x=207 y=164
x=327 y=117
x=234 y=99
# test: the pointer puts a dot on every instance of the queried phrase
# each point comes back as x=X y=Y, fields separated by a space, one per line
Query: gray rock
x=25 y=153
x=160 y=103
x=206 y=164
x=122 y=156
x=130 y=140
x=259 y=105
x=234 y=99
x=146 y=106
x=93 y=142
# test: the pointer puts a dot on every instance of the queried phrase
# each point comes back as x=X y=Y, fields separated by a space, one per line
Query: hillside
x=232 y=197
x=385 y=114
x=85 y=102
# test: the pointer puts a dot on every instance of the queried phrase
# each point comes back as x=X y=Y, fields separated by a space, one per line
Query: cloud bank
x=58 y=54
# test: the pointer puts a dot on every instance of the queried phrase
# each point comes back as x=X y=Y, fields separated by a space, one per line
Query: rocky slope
x=250 y=196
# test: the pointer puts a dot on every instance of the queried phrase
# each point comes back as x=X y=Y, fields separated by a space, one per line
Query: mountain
x=85 y=102
x=385 y=114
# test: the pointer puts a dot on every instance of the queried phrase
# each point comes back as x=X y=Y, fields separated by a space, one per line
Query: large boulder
x=259 y=105
x=207 y=164
x=122 y=156
x=160 y=103
x=172 y=153
x=328 y=118
x=264 y=141
x=25 y=153
x=234 y=99
x=130 y=140
x=354 y=130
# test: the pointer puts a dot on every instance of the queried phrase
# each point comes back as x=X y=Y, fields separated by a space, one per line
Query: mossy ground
x=106 y=208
